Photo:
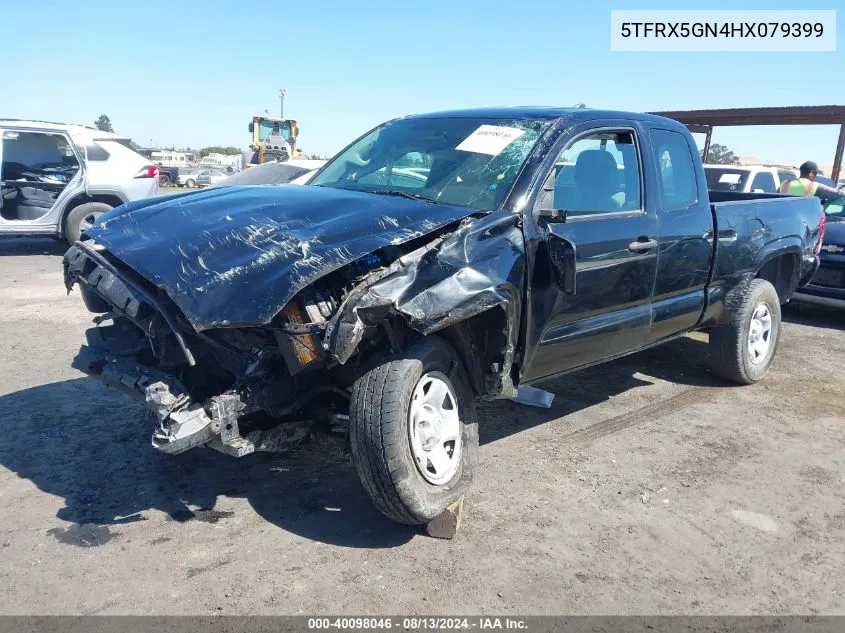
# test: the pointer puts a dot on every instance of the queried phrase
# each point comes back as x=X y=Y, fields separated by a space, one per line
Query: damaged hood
x=236 y=256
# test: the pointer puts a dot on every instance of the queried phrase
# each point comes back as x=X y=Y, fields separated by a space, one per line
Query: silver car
x=209 y=177
x=57 y=178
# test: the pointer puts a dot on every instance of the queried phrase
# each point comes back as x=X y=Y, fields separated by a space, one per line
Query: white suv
x=56 y=179
x=747 y=178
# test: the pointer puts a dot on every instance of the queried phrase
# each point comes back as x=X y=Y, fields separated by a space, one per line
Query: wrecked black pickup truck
x=436 y=260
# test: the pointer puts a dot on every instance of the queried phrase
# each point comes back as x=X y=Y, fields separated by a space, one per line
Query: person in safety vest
x=806 y=185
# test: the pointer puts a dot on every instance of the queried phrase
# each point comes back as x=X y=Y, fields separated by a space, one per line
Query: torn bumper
x=182 y=423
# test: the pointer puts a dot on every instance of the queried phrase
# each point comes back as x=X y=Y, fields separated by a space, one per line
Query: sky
x=193 y=74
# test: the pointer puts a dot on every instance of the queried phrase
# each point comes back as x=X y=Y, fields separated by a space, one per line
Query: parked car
x=391 y=305
x=273 y=173
x=209 y=177
x=188 y=178
x=747 y=178
x=58 y=178
x=167 y=175
x=827 y=286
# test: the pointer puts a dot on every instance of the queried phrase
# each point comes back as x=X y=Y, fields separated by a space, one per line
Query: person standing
x=806 y=185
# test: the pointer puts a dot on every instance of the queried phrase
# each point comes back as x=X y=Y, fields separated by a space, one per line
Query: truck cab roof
x=549 y=113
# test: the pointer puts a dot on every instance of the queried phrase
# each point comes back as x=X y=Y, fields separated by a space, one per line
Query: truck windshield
x=470 y=162
x=726 y=178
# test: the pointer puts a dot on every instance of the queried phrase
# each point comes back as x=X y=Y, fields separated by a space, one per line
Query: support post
x=707 y=144
x=837 y=159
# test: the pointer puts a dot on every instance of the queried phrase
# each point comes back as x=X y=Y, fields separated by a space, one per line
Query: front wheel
x=414 y=432
x=190 y=183
x=743 y=351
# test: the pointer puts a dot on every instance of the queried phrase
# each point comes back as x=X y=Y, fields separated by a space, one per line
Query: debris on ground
x=533 y=397
x=446 y=524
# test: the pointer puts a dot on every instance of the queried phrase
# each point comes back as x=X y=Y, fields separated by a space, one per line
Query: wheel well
x=780 y=271
x=82 y=198
x=481 y=342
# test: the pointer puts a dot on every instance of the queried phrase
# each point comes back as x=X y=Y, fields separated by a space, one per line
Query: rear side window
x=94 y=151
x=726 y=178
x=765 y=182
x=678 y=189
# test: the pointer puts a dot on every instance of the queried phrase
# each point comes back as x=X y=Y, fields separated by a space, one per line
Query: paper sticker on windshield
x=729 y=179
x=490 y=139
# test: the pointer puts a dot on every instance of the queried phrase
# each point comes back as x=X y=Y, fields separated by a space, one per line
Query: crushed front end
x=242 y=331
x=237 y=390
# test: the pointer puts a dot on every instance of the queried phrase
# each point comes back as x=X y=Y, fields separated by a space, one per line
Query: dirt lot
x=649 y=487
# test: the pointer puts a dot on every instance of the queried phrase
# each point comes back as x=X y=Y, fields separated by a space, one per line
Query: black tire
x=729 y=345
x=381 y=439
x=190 y=183
x=83 y=215
x=163 y=181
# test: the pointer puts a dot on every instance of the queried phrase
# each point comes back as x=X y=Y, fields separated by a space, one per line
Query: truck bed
x=754 y=229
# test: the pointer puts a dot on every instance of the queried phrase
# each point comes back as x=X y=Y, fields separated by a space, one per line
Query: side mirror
x=563 y=258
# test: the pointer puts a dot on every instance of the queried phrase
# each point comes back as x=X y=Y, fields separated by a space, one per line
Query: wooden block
x=446 y=524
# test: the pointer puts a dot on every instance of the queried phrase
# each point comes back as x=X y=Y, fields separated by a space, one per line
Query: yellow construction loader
x=273 y=139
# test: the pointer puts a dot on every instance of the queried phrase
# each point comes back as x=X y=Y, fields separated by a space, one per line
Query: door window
x=678 y=189
x=38 y=157
x=36 y=168
x=598 y=173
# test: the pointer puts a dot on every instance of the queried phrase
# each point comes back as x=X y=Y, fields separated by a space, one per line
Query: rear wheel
x=163 y=181
x=743 y=351
x=82 y=217
x=414 y=433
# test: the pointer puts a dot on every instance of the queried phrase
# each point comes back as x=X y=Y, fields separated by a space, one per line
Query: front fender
x=479 y=267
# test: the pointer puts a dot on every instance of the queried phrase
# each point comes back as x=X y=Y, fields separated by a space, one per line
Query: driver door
x=593 y=272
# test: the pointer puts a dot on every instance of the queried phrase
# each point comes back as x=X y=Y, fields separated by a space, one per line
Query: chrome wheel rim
x=434 y=428
x=760 y=334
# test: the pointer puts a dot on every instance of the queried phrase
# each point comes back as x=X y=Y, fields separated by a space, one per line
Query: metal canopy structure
x=704 y=121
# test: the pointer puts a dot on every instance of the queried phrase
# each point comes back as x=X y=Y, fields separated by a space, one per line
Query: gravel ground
x=649 y=487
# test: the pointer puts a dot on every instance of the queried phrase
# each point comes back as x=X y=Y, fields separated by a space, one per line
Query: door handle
x=727 y=236
x=642 y=244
